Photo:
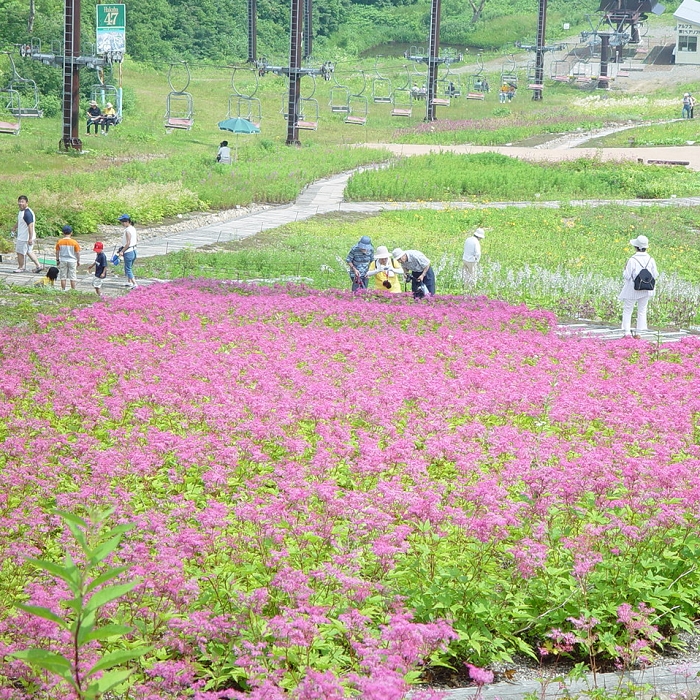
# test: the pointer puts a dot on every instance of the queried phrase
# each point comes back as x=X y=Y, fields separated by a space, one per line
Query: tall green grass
x=491 y=176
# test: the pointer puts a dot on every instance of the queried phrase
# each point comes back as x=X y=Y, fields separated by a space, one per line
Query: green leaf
x=48 y=660
x=108 y=594
x=102 y=633
x=119 y=530
x=70 y=517
x=103 y=550
x=45 y=613
x=65 y=573
x=106 y=576
x=110 y=679
x=78 y=535
x=117 y=658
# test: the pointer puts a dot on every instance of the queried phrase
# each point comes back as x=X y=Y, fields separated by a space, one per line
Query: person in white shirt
x=630 y=296
x=26 y=236
x=471 y=256
x=128 y=249
x=223 y=155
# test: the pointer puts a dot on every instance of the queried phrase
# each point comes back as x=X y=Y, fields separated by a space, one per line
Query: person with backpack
x=640 y=275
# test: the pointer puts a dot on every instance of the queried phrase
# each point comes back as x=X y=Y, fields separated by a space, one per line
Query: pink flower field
x=337 y=496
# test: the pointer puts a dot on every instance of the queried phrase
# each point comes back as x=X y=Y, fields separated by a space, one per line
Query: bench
x=360 y=121
x=9 y=128
x=401 y=112
x=179 y=123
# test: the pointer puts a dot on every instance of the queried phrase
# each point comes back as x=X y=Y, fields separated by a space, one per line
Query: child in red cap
x=100 y=266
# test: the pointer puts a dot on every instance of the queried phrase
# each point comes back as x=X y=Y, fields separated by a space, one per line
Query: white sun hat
x=381 y=252
x=480 y=233
x=640 y=242
x=397 y=253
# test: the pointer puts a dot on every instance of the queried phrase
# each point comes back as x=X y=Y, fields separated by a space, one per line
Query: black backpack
x=644 y=281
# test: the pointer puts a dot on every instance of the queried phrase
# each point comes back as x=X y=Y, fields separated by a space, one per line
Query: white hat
x=381 y=252
x=640 y=242
x=480 y=233
x=397 y=253
x=687 y=94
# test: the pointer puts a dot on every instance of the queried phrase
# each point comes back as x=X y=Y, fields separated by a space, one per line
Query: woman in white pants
x=629 y=295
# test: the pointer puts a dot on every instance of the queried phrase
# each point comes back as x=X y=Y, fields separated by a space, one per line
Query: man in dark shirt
x=100 y=266
x=94 y=116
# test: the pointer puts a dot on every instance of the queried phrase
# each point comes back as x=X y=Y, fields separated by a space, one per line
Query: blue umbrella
x=238 y=125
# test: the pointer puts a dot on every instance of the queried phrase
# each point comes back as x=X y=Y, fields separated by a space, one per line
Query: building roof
x=689 y=11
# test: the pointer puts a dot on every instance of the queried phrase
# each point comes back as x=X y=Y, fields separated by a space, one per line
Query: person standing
x=358 y=260
x=471 y=256
x=418 y=269
x=385 y=271
x=26 y=236
x=128 y=249
x=687 y=106
x=639 y=277
x=100 y=267
x=68 y=258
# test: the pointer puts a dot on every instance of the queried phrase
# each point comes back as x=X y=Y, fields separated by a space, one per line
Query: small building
x=688 y=32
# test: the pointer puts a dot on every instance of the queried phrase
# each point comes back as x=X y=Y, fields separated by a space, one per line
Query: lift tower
x=70 y=62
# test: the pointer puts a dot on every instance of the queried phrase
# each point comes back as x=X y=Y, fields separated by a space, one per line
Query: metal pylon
x=308 y=40
x=294 y=74
x=433 y=59
x=540 y=50
x=71 y=77
x=252 y=31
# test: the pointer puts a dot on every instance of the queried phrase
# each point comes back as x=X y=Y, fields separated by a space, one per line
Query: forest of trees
x=160 y=30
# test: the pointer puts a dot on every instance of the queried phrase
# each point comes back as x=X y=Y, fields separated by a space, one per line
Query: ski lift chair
x=509 y=72
x=28 y=93
x=381 y=88
x=245 y=105
x=560 y=71
x=339 y=97
x=358 y=105
x=13 y=105
x=102 y=94
x=179 y=105
x=307 y=110
x=402 y=98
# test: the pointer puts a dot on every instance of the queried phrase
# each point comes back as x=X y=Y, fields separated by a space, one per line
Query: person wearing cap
x=128 y=249
x=417 y=268
x=385 y=271
x=109 y=117
x=67 y=258
x=94 y=116
x=100 y=266
x=26 y=235
x=687 y=106
x=629 y=295
x=358 y=260
x=471 y=256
